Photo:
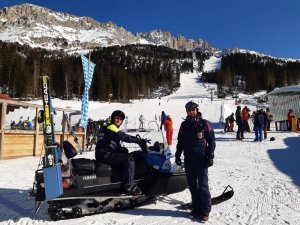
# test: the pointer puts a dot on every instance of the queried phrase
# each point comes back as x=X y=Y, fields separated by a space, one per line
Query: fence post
x=2 y=127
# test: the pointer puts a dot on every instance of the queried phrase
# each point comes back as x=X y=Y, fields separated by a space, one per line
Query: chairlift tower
x=211 y=93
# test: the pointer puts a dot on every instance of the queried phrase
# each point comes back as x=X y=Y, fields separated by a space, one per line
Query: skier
x=110 y=151
x=269 y=118
x=239 y=122
x=258 y=125
x=231 y=122
x=196 y=139
x=289 y=119
x=226 y=127
x=126 y=122
x=141 y=119
x=245 y=118
x=265 y=127
x=168 y=124
x=162 y=119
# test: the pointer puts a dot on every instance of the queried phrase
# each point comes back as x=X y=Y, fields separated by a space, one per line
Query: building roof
x=3 y=96
x=287 y=89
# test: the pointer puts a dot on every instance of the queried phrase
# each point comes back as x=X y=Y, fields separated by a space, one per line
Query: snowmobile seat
x=83 y=166
x=69 y=150
x=103 y=170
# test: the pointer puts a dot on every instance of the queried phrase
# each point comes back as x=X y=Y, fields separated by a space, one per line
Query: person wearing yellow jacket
x=110 y=151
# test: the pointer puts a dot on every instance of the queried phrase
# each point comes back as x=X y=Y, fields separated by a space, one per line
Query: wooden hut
x=29 y=141
x=281 y=100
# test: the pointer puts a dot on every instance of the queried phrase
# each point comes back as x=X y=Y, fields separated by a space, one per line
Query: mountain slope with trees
x=250 y=72
x=126 y=72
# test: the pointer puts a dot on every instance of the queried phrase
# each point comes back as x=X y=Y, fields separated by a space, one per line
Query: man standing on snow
x=196 y=139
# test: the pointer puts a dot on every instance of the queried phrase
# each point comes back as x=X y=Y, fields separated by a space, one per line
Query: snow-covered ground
x=265 y=176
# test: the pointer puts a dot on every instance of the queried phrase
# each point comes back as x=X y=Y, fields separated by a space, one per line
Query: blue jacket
x=196 y=138
x=259 y=120
x=163 y=117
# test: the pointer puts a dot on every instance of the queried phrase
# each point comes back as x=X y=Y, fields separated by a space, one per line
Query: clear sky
x=268 y=26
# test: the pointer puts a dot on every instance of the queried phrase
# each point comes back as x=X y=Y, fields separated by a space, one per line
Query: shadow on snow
x=16 y=204
x=287 y=160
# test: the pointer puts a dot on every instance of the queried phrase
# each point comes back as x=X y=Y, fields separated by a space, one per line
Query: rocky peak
x=42 y=27
x=26 y=14
x=179 y=42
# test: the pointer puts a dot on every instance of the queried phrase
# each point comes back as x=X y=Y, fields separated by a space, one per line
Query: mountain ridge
x=41 y=27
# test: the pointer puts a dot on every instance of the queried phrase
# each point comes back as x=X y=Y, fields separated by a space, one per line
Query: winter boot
x=205 y=217
x=194 y=214
x=134 y=190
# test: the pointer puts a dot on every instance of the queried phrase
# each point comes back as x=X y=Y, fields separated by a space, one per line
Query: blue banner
x=88 y=71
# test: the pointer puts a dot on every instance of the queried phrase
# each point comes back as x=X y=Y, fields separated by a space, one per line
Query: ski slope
x=265 y=176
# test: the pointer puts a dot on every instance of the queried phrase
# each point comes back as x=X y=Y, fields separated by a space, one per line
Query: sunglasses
x=118 y=118
x=192 y=109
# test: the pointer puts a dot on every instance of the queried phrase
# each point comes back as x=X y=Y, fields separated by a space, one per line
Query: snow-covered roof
x=293 y=88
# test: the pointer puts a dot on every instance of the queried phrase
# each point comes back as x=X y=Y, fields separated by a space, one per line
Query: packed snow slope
x=265 y=175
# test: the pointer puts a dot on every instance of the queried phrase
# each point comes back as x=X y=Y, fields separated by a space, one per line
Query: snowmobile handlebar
x=143 y=143
x=145 y=139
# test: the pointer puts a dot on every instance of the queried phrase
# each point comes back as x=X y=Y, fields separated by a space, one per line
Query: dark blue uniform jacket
x=196 y=138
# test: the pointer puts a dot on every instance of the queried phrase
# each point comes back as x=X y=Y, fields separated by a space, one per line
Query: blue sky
x=268 y=26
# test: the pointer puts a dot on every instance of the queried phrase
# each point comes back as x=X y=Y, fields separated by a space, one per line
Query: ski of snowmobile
x=37 y=206
x=78 y=207
x=226 y=195
x=99 y=198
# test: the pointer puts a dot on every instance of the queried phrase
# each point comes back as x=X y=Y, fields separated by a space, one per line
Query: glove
x=178 y=161
x=143 y=145
x=209 y=160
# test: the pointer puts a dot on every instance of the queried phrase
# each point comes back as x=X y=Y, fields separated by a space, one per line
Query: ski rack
x=73 y=133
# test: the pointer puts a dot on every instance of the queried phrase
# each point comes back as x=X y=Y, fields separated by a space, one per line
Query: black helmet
x=191 y=105
x=117 y=113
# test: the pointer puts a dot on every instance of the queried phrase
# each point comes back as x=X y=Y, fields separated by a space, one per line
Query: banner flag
x=88 y=71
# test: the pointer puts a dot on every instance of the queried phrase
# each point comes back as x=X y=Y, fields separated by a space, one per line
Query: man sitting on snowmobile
x=110 y=151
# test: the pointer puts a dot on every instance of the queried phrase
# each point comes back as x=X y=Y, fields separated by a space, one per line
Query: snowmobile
x=83 y=186
x=91 y=187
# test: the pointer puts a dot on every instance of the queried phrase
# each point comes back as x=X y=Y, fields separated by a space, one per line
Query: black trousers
x=197 y=178
x=123 y=160
x=240 y=131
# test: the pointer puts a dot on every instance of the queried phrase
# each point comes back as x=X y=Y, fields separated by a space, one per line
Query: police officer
x=196 y=139
x=110 y=151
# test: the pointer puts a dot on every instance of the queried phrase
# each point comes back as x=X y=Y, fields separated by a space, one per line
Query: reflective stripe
x=113 y=127
x=113 y=145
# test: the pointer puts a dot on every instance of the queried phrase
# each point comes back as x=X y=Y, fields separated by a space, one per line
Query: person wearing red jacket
x=245 y=118
x=290 y=117
x=168 y=124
